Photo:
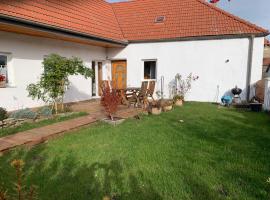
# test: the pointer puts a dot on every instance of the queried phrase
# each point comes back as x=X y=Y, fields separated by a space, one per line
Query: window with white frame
x=150 y=69
x=3 y=67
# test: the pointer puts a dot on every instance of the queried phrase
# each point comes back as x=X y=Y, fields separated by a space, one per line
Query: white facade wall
x=26 y=54
x=220 y=64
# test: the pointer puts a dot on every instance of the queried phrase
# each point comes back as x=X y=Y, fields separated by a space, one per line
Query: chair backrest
x=105 y=84
x=144 y=87
x=151 y=88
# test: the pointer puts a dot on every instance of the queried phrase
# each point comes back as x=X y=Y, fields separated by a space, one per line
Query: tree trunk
x=55 y=107
x=62 y=98
x=111 y=116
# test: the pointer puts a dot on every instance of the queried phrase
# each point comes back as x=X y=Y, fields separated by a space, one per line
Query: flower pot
x=179 y=102
x=2 y=84
x=114 y=122
x=156 y=111
x=167 y=108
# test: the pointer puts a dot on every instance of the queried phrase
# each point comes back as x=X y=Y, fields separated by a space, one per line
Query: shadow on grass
x=66 y=178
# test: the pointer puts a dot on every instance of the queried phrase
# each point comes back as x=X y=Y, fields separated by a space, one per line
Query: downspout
x=249 y=65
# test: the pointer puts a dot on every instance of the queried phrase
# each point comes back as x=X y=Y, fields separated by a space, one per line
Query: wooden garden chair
x=140 y=97
x=151 y=89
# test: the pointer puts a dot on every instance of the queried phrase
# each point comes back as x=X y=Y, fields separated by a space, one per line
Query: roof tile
x=132 y=20
x=185 y=18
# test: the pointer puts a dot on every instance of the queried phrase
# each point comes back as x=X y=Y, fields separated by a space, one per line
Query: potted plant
x=166 y=105
x=2 y=81
x=178 y=100
x=182 y=87
x=154 y=108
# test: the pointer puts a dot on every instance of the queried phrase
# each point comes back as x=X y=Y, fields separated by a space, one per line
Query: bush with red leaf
x=2 y=78
x=110 y=100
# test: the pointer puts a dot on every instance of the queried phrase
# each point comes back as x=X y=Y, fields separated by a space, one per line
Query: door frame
x=96 y=76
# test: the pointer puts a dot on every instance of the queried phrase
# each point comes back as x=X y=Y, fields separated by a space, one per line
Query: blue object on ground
x=227 y=100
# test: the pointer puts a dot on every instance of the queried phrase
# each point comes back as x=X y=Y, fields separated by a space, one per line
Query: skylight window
x=160 y=19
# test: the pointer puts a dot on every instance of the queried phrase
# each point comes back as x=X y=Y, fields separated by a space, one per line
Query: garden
x=197 y=151
x=50 y=89
x=171 y=150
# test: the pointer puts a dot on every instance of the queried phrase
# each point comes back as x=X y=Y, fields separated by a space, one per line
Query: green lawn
x=28 y=126
x=216 y=153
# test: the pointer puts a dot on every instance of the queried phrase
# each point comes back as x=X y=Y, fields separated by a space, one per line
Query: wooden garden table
x=125 y=93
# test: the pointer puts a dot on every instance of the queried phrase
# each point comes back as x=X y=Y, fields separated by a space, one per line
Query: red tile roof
x=184 y=18
x=92 y=17
x=133 y=20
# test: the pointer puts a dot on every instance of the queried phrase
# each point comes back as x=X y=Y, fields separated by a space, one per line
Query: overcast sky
x=255 y=11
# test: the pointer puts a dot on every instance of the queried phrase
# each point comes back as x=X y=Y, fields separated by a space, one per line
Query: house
x=266 y=48
x=128 y=42
x=266 y=59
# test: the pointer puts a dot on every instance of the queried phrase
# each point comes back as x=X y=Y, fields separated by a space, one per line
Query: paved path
x=42 y=134
x=39 y=135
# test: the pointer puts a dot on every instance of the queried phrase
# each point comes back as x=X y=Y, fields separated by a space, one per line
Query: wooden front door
x=99 y=77
x=119 y=74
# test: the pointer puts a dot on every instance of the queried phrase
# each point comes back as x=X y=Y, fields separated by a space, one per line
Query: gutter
x=199 y=38
x=55 y=29
x=249 y=66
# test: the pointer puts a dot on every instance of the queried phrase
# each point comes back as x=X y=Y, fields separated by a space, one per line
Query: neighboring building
x=266 y=59
x=266 y=48
x=128 y=42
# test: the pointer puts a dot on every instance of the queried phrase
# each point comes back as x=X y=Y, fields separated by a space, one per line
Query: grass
x=28 y=126
x=216 y=153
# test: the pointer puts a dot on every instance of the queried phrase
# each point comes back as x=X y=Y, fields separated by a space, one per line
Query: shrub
x=24 y=114
x=45 y=111
x=184 y=85
x=177 y=97
x=110 y=100
x=3 y=114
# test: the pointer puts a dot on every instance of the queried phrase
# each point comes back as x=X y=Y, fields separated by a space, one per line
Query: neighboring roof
x=132 y=20
x=92 y=17
x=184 y=18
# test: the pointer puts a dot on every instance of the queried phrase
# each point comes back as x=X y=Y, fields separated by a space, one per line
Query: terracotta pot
x=156 y=111
x=2 y=84
x=179 y=102
x=167 y=108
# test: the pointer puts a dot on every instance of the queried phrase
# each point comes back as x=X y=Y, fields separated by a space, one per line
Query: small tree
x=110 y=100
x=54 y=80
x=19 y=191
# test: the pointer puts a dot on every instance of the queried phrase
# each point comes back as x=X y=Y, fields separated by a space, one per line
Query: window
x=150 y=69
x=3 y=66
x=160 y=19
